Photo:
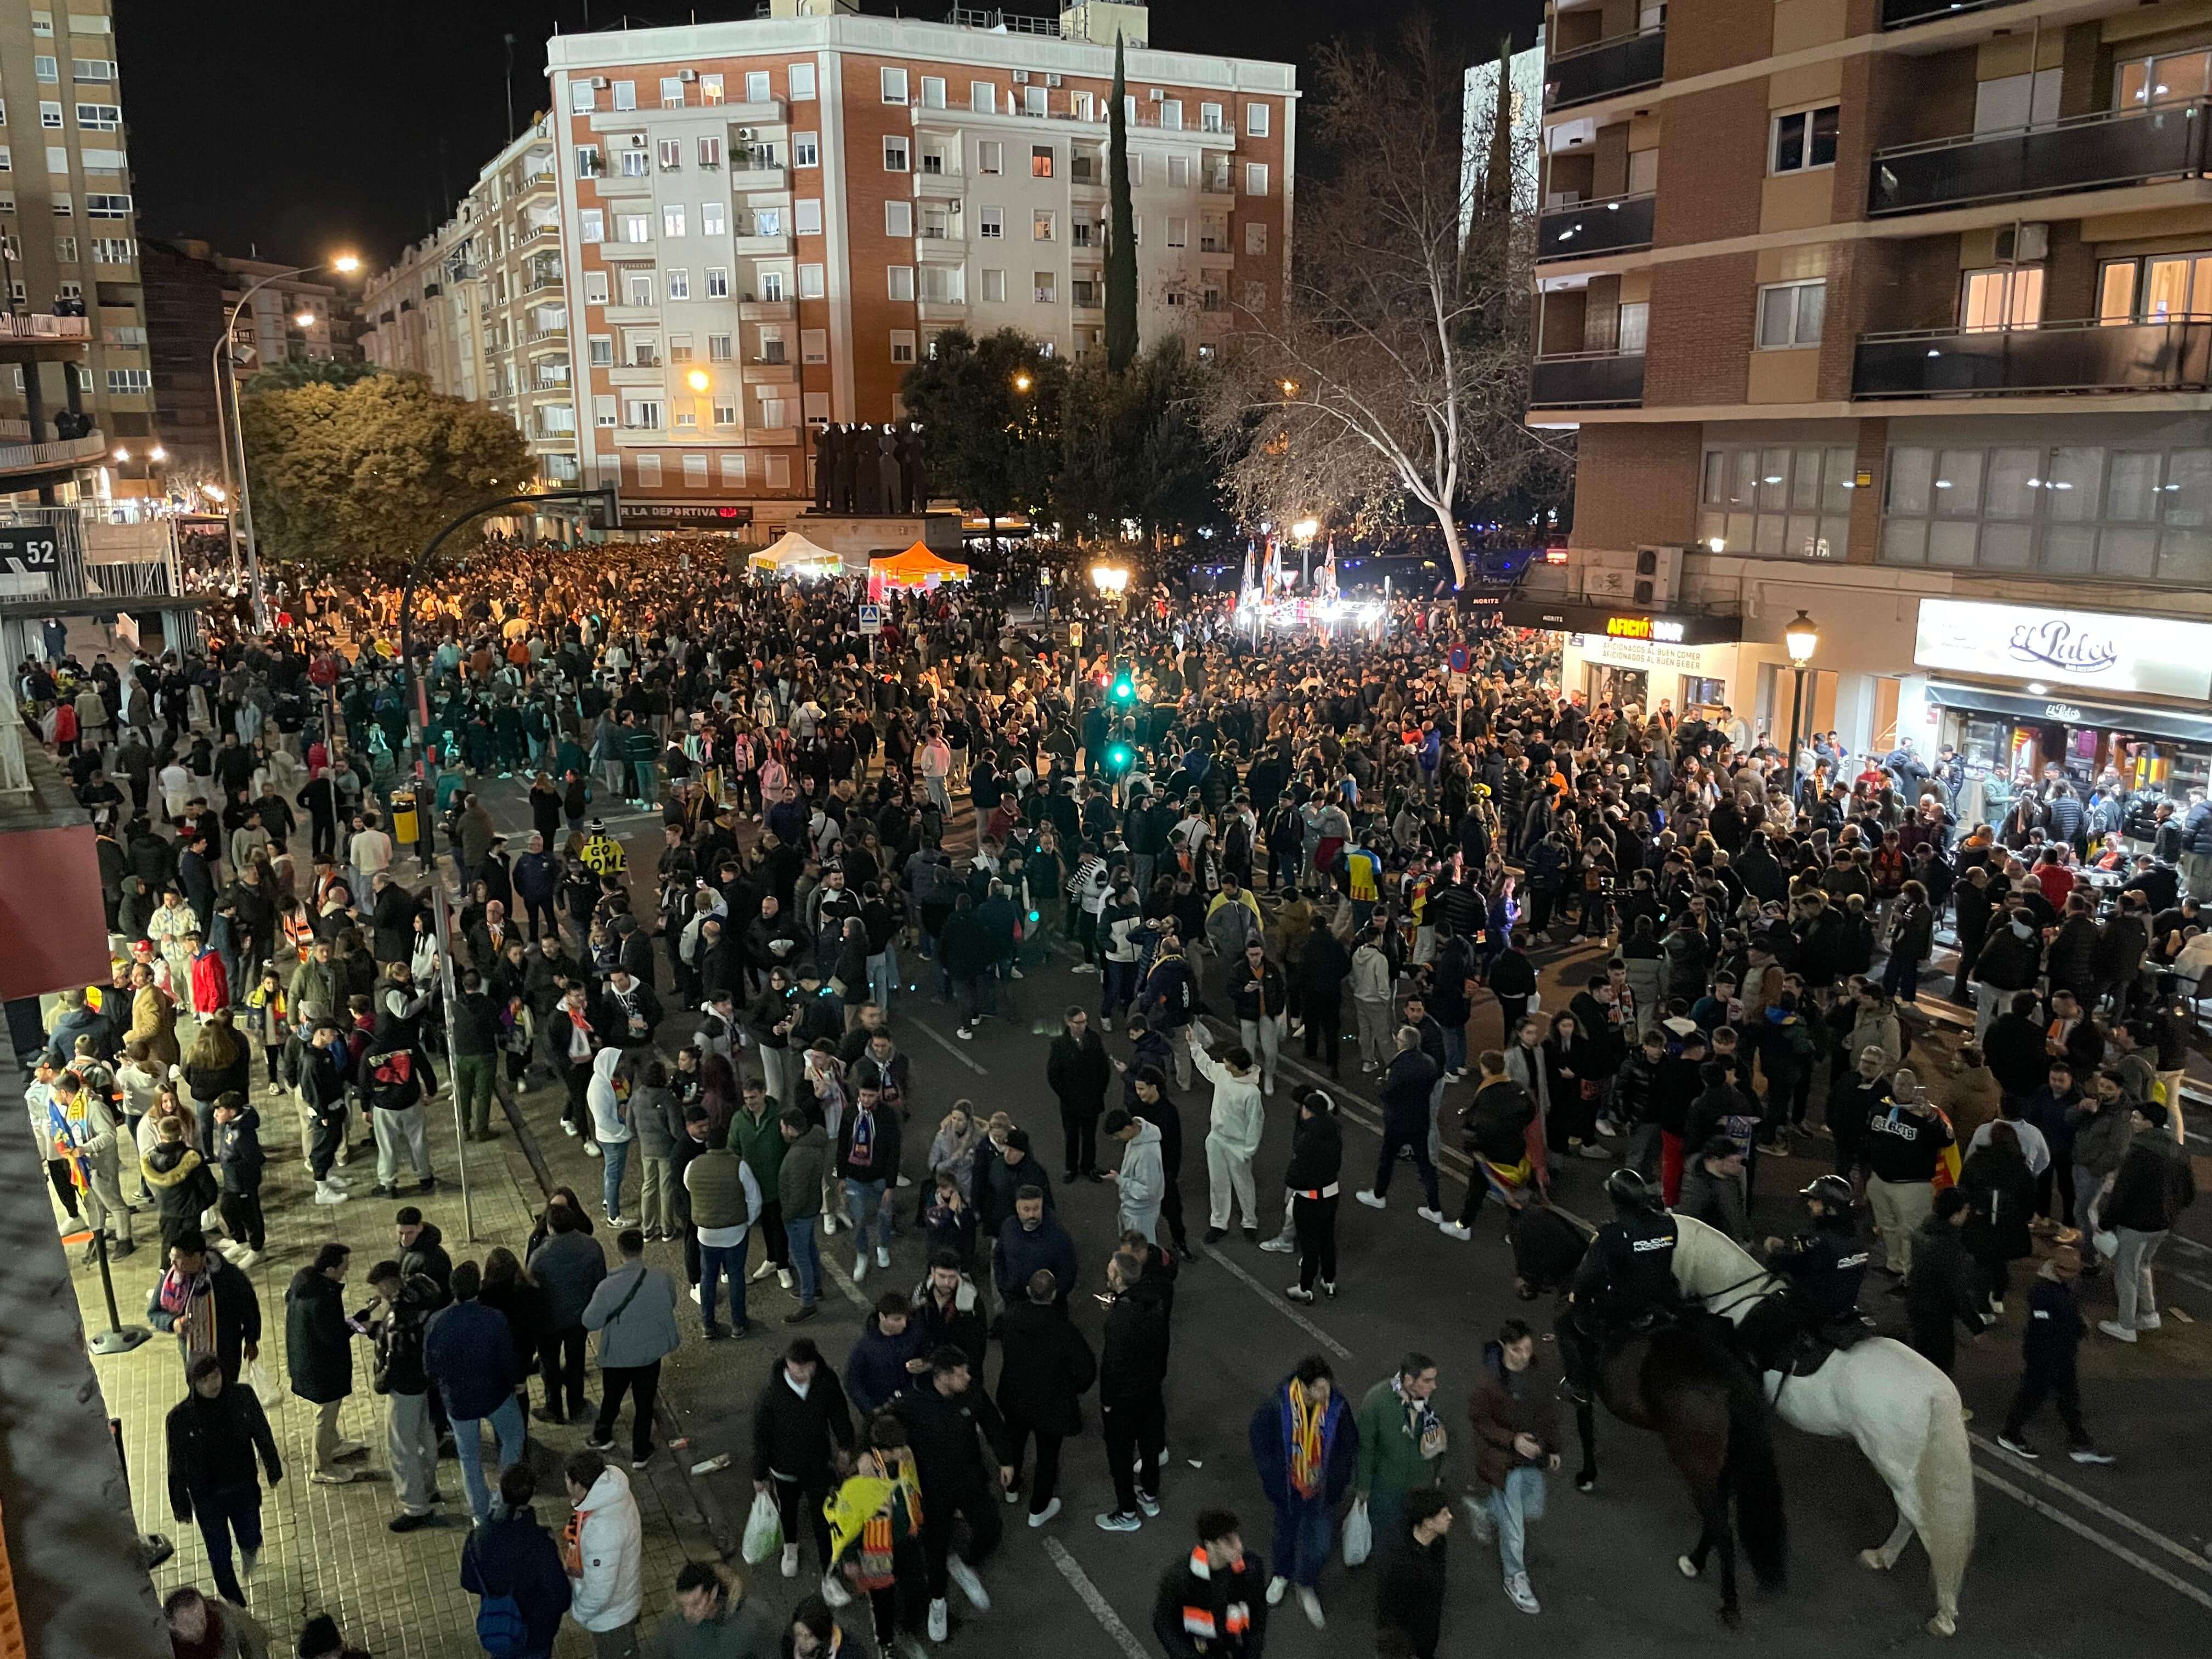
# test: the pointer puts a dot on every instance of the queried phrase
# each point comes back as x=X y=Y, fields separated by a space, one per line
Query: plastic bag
x=764 y=1530
x=265 y=1388
x=1358 y=1535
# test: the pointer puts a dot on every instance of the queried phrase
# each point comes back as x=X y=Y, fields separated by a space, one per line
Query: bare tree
x=1395 y=371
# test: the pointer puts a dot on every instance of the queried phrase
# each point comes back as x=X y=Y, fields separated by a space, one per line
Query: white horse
x=1902 y=1411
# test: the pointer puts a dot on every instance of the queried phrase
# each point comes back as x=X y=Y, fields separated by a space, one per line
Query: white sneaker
x=791 y=1560
x=1372 y=1201
x=1518 y=1590
x=1310 y=1604
x=2150 y=1322
x=2118 y=1331
x=1298 y=1293
x=1369 y=1066
x=829 y=1223
x=566 y=1128
x=1478 y=1520
x=882 y=1255
x=860 y=1269
x=1045 y=1514
x=1275 y=1589
x=592 y=1149
x=762 y=1271
x=1014 y=973
x=971 y=1585
x=939 y=1627
x=697 y=1296
x=326 y=1193
x=783 y=1277
x=834 y=1591
x=1453 y=1229
x=245 y=1259
x=1278 y=1246
x=1427 y=1214
x=338 y=1180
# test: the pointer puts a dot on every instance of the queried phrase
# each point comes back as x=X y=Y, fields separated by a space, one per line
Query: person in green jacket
x=798 y=1189
x=757 y=1136
x=1402 y=1443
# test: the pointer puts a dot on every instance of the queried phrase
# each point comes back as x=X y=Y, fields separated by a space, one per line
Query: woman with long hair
x=218 y=1064
x=508 y=1287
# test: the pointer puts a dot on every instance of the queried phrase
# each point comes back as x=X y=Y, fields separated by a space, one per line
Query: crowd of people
x=1235 y=837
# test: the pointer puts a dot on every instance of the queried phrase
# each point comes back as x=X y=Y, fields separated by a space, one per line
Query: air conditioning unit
x=687 y=75
x=598 y=83
x=1156 y=95
x=745 y=135
x=1052 y=80
x=1021 y=77
x=2022 y=245
x=1658 y=577
x=637 y=141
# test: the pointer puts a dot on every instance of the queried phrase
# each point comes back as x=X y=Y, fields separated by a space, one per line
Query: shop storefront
x=1626 y=658
x=2100 y=699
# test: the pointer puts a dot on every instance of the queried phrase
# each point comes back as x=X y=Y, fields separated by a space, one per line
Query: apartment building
x=763 y=223
x=479 y=306
x=68 y=233
x=1888 y=312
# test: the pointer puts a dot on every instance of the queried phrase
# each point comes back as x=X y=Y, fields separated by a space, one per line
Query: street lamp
x=697 y=379
x=1110 y=579
x=1801 y=638
x=1022 y=381
x=228 y=431
x=1305 y=529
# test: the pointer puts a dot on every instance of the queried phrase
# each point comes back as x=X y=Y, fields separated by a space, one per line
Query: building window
x=990 y=224
x=802 y=83
x=1178 y=232
x=898 y=220
x=893 y=81
x=1036 y=101
x=1085 y=106
x=637 y=288
x=694 y=471
x=595 y=288
x=982 y=98
x=1209 y=119
x=1805 y=139
x=718 y=283
x=771 y=284
x=592 y=224
x=710 y=88
x=94 y=118
x=1039 y=160
x=1255 y=120
x=733 y=462
x=46 y=69
x=93 y=69
x=625 y=94
x=588 y=161
x=2154 y=289
x=1085 y=234
x=602 y=410
x=900 y=281
x=671 y=220
x=679 y=347
x=813 y=345
x=1776 y=502
x=129 y=380
x=990 y=156
x=713 y=220
x=648 y=466
x=1256 y=178
x=601 y=348
x=726 y=414
x=902 y=345
x=679 y=284
x=1041 y=225
x=933 y=92
x=805 y=150
x=894 y=155
x=42 y=25
x=1256 y=238
x=2008 y=297
x=1789 y=314
x=2174 y=79
x=50 y=117
x=642 y=414
x=671 y=154
x=811 y=282
x=779 y=471
x=1633 y=328
x=718 y=348
x=1046 y=285
x=807 y=216
x=994 y=286
x=64 y=205
x=672 y=92
x=636 y=163
x=636 y=228
x=582 y=97
x=710 y=152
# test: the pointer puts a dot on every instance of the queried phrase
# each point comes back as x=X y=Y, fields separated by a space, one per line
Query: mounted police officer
x=1625 y=1281
x=1822 y=1270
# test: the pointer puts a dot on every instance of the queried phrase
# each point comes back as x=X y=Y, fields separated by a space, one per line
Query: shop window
x=1776 y=502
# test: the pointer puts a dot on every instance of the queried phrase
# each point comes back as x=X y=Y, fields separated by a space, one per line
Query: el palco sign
x=2091 y=648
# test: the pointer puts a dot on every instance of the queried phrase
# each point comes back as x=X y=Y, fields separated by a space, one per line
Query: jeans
x=560 y=1364
x=1413 y=1138
x=1304 y=1529
x=1263 y=1041
x=2131 y=1281
x=506 y=1430
x=716 y=1260
x=864 y=1200
x=882 y=972
x=805 y=1257
x=1520 y=1501
x=1119 y=990
x=225 y=1512
x=614 y=1156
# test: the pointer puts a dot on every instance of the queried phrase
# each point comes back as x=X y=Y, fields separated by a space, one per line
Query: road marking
x=1095 y=1599
x=1278 y=1303
x=947 y=1044
x=2052 y=1512
x=854 y=1293
x=2148 y=1535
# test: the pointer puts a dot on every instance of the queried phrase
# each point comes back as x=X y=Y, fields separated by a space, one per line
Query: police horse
x=1902 y=1411
x=1682 y=1384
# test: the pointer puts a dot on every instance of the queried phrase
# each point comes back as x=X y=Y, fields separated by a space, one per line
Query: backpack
x=501 y=1631
x=391 y=1081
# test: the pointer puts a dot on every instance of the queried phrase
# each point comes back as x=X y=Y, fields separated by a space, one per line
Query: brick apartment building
x=1889 y=310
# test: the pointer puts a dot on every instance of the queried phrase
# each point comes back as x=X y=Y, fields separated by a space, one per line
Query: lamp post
x=237 y=484
x=1112 y=581
x=1800 y=639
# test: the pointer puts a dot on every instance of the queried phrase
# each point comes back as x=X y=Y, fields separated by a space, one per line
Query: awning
x=917 y=567
x=2143 y=720
x=1604 y=621
x=792 y=555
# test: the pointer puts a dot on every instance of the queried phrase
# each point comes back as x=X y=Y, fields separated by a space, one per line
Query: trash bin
x=406 y=830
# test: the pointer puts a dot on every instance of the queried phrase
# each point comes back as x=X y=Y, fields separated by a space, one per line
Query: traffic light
x=1123 y=689
x=1119 y=758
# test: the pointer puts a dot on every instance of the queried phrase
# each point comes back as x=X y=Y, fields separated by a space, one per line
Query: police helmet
x=1831 y=1191
x=1629 y=1191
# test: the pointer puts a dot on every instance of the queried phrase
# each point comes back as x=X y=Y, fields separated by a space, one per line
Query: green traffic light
x=1124 y=689
x=1119 y=757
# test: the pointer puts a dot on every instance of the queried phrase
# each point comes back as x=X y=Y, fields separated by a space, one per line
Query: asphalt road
x=2070 y=1561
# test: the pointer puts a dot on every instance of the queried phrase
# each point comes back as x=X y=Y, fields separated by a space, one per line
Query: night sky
x=301 y=130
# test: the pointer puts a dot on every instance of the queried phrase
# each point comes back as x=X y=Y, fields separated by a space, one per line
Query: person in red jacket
x=211 y=979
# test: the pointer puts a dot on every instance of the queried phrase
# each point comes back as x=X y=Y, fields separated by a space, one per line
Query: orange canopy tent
x=915 y=567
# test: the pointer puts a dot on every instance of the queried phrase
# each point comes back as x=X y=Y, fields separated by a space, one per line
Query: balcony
x=1620 y=64
x=947 y=310
x=942 y=244
x=2089 y=152
x=751 y=310
x=770 y=437
x=64 y=455
x=759 y=247
x=1586 y=228
x=743 y=178
x=542 y=282
x=2174 y=355
x=648 y=373
x=553 y=334
x=768 y=112
x=540 y=179
x=1587 y=380
x=1903 y=14
x=537 y=234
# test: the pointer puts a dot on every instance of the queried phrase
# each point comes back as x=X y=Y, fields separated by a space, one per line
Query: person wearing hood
x=213 y=1437
x=511 y=1555
x=1133 y=1375
x=893 y=1346
x=607 y=1095
x=183 y=1187
x=1140 y=1184
x=2009 y=960
x=1305 y=1445
x=605 y=1580
x=1311 y=1180
x=1238 y=1119
x=2152 y=1186
x=1410 y=1602
x=1045 y=1368
x=1033 y=1238
x=1944 y=1289
x=1170 y=1002
x=1516 y=1424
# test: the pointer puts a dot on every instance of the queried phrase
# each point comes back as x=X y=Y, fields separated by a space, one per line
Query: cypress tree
x=1121 y=244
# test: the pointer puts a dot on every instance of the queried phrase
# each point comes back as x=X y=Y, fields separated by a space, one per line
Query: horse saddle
x=1808 y=1349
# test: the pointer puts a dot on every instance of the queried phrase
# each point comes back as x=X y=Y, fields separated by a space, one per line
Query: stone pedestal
x=855 y=537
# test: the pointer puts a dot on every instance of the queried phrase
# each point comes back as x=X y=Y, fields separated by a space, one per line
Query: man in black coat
x=213 y=1436
x=1045 y=1366
x=318 y=1356
x=799 y=1419
x=1133 y=1375
x=955 y=1431
x=1080 y=1074
x=1323 y=966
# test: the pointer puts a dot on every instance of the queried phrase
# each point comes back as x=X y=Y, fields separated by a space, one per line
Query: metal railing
x=1602 y=226
x=1587 y=380
x=2173 y=354
x=2084 y=152
x=1903 y=14
x=61 y=452
x=1619 y=64
x=19 y=326
x=1012 y=22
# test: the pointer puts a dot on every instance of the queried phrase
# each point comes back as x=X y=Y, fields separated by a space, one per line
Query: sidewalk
x=397 y=1596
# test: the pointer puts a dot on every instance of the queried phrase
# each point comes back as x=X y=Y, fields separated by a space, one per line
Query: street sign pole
x=443 y=915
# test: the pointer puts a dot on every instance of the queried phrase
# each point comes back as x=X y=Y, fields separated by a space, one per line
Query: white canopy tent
x=792 y=555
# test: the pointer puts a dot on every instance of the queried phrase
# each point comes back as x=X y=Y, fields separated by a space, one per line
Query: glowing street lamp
x=1800 y=639
x=1110 y=579
x=1022 y=381
x=697 y=379
x=1305 y=529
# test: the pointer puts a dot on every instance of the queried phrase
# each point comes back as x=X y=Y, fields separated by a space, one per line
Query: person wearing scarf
x=1306 y=1444
x=1400 y=1442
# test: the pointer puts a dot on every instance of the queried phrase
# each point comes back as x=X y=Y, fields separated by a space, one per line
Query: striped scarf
x=1304 y=1432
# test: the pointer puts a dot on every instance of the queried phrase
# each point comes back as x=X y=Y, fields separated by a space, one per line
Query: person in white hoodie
x=1370 y=1002
x=1237 y=1119
x=608 y=1095
x=1141 y=1182
x=606 y=1586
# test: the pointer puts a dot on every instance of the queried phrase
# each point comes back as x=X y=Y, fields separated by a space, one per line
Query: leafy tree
x=309 y=371
x=1121 y=233
x=990 y=411
x=1396 y=369
x=1132 y=449
x=373 y=468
